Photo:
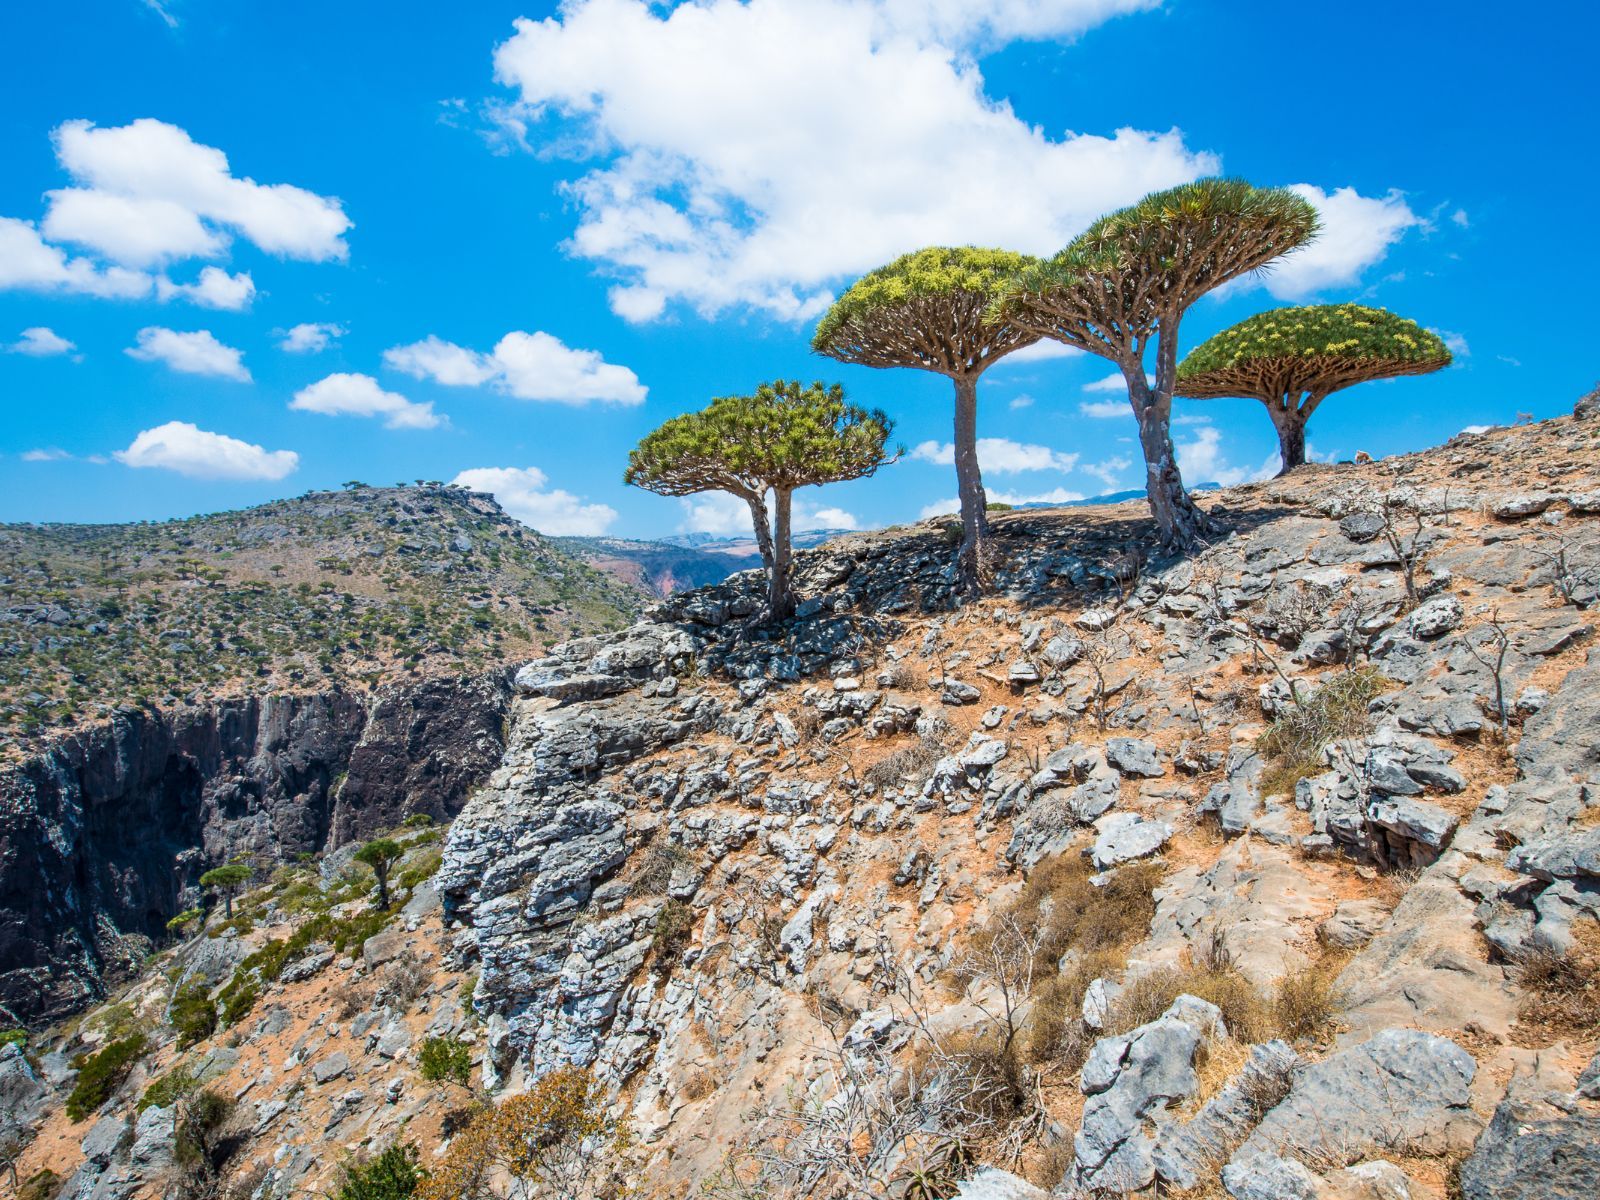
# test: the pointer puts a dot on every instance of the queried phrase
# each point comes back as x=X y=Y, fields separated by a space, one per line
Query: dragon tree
x=783 y=437
x=1291 y=359
x=1127 y=281
x=928 y=310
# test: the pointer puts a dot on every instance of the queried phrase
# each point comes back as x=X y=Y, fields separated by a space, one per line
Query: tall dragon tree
x=1127 y=281
x=782 y=437
x=1291 y=359
x=928 y=310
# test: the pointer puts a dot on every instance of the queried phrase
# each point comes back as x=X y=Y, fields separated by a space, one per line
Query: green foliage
x=925 y=310
x=41 y=1185
x=228 y=876
x=445 y=1060
x=168 y=1089
x=102 y=1073
x=265 y=965
x=1117 y=279
x=417 y=821
x=193 y=1015
x=424 y=868
x=195 y=1142
x=1351 y=331
x=381 y=854
x=783 y=436
x=392 y=1175
x=183 y=920
x=14 y=1037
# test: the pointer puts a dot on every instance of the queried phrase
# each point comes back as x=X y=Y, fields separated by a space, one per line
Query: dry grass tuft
x=914 y=762
x=1563 y=990
x=1293 y=743
x=1301 y=1008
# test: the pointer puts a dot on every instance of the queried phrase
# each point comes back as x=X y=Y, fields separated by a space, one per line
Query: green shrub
x=445 y=1060
x=392 y=1175
x=168 y=1089
x=102 y=1073
x=18 y=1037
x=193 y=1015
x=41 y=1185
x=187 y=917
x=417 y=821
x=425 y=868
x=196 y=1141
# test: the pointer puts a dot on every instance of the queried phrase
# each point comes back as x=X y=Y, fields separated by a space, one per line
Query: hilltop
x=662 y=567
x=1265 y=871
x=358 y=587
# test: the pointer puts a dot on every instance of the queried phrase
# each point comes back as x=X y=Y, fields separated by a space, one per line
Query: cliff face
x=104 y=837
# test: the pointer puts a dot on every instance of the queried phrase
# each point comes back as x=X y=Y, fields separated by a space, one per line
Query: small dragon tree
x=1290 y=359
x=227 y=879
x=1128 y=279
x=928 y=310
x=785 y=436
x=381 y=855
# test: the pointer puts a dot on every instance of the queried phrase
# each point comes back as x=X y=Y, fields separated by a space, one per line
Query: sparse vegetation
x=102 y=1073
x=380 y=854
x=1294 y=742
x=391 y=1175
x=227 y=879
x=445 y=1060
x=193 y=1014
x=1562 y=989
x=674 y=928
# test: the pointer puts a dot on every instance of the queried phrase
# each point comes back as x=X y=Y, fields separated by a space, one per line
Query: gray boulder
x=1268 y=1177
x=1522 y=1159
x=1401 y=1091
x=991 y=1183
x=1135 y=756
x=1124 y=837
x=1436 y=617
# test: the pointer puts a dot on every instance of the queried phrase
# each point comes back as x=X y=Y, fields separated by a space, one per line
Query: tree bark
x=1290 y=422
x=780 y=600
x=1179 y=521
x=763 y=527
x=972 y=560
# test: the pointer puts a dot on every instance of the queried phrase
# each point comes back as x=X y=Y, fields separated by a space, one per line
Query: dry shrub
x=807 y=724
x=697 y=1087
x=1302 y=1006
x=1055 y=1026
x=1306 y=1002
x=994 y=1079
x=660 y=860
x=1074 y=914
x=1563 y=990
x=1293 y=743
x=904 y=677
x=405 y=980
x=355 y=999
x=915 y=762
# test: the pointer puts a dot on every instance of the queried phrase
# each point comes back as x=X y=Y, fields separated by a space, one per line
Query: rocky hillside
x=1268 y=872
x=350 y=589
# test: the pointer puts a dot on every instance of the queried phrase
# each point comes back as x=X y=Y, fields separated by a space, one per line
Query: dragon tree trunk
x=972 y=560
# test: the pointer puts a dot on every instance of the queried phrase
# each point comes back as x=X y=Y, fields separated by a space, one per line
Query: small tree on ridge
x=1291 y=359
x=381 y=855
x=784 y=436
x=227 y=879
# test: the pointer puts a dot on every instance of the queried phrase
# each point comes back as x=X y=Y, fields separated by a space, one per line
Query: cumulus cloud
x=45 y=454
x=722 y=174
x=521 y=492
x=529 y=366
x=715 y=513
x=197 y=353
x=182 y=447
x=1456 y=343
x=40 y=342
x=146 y=193
x=28 y=262
x=807 y=518
x=215 y=288
x=1044 y=350
x=1000 y=455
x=1204 y=461
x=1110 y=471
x=1105 y=410
x=1357 y=232
x=310 y=337
x=347 y=395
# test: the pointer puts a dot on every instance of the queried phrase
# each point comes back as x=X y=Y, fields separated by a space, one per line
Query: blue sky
x=252 y=249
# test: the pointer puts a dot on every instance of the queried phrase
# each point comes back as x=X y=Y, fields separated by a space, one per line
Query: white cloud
x=1110 y=471
x=40 y=342
x=347 y=395
x=1203 y=461
x=1114 y=384
x=27 y=261
x=45 y=454
x=806 y=518
x=521 y=492
x=939 y=508
x=725 y=174
x=197 y=353
x=1456 y=343
x=311 y=337
x=1105 y=410
x=1053 y=496
x=1460 y=217
x=214 y=289
x=716 y=513
x=147 y=193
x=529 y=366
x=1044 y=350
x=1356 y=234
x=1000 y=455
x=1468 y=429
x=1022 y=401
x=181 y=447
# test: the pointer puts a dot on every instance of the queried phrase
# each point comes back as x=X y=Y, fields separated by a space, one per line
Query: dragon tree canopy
x=926 y=310
x=1290 y=359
